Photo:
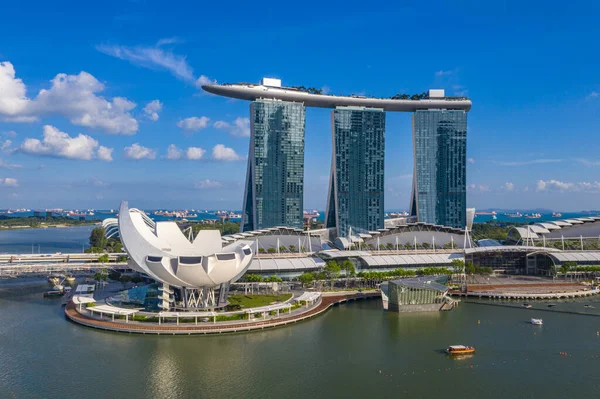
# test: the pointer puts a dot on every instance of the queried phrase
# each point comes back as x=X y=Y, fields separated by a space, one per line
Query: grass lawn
x=255 y=301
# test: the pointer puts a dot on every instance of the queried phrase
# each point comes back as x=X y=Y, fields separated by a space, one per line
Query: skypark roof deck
x=251 y=92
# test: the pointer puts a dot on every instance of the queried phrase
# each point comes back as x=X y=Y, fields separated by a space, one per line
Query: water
x=45 y=241
x=353 y=350
x=545 y=217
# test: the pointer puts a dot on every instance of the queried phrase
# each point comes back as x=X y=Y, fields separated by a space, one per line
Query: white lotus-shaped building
x=163 y=252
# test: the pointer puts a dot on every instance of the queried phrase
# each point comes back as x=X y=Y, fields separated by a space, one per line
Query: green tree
x=306 y=278
x=93 y=250
x=122 y=258
x=457 y=266
x=292 y=248
x=137 y=279
x=271 y=250
x=254 y=278
x=101 y=275
x=469 y=268
x=103 y=258
x=283 y=248
x=97 y=238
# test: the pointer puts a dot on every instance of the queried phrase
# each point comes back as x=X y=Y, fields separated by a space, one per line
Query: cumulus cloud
x=443 y=73
x=508 y=186
x=557 y=185
x=194 y=123
x=156 y=58
x=71 y=96
x=13 y=97
x=470 y=160
x=194 y=153
x=152 y=109
x=104 y=154
x=222 y=153
x=5 y=145
x=10 y=134
x=239 y=128
x=137 y=152
x=9 y=182
x=207 y=184
x=173 y=152
x=593 y=94
x=59 y=144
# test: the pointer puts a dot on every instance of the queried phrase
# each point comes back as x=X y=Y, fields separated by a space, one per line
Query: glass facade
x=357 y=171
x=440 y=180
x=275 y=175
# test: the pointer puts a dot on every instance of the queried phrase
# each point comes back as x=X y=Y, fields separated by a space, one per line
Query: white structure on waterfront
x=161 y=251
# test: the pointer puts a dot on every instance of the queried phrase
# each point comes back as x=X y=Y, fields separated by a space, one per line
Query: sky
x=102 y=102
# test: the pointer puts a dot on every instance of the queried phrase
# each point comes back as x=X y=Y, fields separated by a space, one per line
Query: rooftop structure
x=272 y=89
x=414 y=294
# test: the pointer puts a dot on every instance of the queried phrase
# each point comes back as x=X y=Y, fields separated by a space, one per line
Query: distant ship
x=108 y=212
x=486 y=213
x=514 y=215
x=556 y=214
x=533 y=216
x=398 y=214
x=311 y=214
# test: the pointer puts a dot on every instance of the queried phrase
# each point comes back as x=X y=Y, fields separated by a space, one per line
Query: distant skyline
x=109 y=107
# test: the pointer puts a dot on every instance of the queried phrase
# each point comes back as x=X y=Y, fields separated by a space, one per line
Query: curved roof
x=163 y=252
x=262 y=265
x=252 y=92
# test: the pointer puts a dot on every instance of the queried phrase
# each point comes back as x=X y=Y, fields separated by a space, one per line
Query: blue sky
x=92 y=96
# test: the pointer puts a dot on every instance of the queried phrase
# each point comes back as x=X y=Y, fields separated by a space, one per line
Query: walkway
x=209 y=328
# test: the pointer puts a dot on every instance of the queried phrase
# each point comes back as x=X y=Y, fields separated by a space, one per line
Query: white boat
x=537 y=322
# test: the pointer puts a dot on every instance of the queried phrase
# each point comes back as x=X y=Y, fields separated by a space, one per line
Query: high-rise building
x=439 y=193
x=357 y=170
x=275 y=174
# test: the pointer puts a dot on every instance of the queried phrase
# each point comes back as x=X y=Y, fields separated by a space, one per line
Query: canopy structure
x=112 y=311
x=270 y=308
x=82 y=300
x=308 y=297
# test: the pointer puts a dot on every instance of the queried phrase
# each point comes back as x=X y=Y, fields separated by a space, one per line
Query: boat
x=460 y=350
x=70 y=279
x=514 y=215
x=537 y=322
x=53 y=280
x=551 y=305
x=556 y=214
x=526 y=305
x=53 y=293
x=533 y=216
x=589 y=306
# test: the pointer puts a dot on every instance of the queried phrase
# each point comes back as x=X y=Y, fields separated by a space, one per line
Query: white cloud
x=593 y=94
x=470 y=160
x=173 y=152
x=553 y=184
x=509 y=186
x=527 y=162
x=71 y=96
x=13 y=92
x=97 y=182
x=222 y=153
x=157 y=58
x=193 y=123
x=59 y=144
x=105 y=154
x=5 y=165
x=5 y=145
x=152 y=109
x=9 y=182
x=10 y=134
x=239 y=128
x=204 y=80
x=325 y=89
x=137 y=152
x=207 y=184
x=194 y=153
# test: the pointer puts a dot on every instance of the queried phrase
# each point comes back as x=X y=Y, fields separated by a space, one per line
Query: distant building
x=356 y=188
x=439 y=194
x=275 y=176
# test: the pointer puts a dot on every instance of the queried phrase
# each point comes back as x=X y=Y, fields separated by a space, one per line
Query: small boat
x=526 y=306
x=589 y=306
x=552 y=305
x=70 y=279
x=460 y=350
x=556 y=214
x=537 y=322
x=53 y=293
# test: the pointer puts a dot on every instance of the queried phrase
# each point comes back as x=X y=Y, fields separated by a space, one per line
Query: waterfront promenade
x=205 y=328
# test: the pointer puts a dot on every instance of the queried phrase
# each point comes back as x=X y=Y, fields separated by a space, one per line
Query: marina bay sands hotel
x=275 y=175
